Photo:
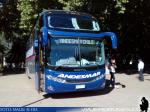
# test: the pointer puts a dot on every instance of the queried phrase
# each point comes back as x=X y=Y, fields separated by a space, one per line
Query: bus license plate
x=80 y=86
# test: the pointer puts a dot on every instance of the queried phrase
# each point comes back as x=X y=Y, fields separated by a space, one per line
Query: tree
x=135 y=31
x=76 y=5
x=127 y=18
x=28 y=14
x=9 y=19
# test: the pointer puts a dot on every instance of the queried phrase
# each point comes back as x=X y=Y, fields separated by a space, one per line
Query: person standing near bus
x=140 y=69
x=107 y=66
x=112 y=72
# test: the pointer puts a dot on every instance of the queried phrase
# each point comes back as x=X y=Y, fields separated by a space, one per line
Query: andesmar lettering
x=79 y=76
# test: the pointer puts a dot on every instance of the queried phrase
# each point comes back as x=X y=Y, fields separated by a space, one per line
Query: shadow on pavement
x=12 y=71
x=119 y=84
x=104 y=91
x=133 y=70
x=128 y=71
x=33 y=102
x=72 y=95
x=147 y=79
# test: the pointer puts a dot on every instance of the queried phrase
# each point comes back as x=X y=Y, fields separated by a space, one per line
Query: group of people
x=110 y=67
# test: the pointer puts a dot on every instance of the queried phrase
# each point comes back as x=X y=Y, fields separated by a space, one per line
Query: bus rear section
x=68 y=52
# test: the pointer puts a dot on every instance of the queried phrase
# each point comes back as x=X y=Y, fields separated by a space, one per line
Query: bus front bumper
x=54 y=85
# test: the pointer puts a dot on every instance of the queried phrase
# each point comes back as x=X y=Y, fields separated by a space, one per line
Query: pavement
x=18 y=90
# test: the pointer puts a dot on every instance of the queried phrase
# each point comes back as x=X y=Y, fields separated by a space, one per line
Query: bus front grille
x=81 y=81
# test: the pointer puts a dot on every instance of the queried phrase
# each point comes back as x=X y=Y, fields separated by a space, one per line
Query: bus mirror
x=114 y=41
x=113 y=38
x=44 y=38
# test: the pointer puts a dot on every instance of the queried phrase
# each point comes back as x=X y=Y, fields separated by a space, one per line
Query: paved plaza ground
x=18 y=90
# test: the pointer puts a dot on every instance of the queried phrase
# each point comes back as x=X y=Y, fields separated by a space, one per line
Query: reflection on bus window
x=74 y=23
x=76 y=52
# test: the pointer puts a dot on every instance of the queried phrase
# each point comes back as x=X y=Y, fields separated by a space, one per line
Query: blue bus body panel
x=56 y=84
x=37 y=78
x=86 y=35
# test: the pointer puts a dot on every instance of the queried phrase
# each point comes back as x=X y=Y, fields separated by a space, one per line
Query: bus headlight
x=50 y=88
x=100 y=77
x=103 y=85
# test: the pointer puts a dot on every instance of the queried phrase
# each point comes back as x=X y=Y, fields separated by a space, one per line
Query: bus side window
x=41 y=22
x=37 y=35
x=38 y=26
x=48 y=48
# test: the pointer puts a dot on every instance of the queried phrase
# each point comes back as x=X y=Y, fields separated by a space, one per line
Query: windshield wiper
x=60 y=66
x=55 y=67
x=66 y=65
x=92 y=63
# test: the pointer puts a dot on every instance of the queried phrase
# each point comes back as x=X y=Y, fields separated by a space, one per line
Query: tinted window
x=73 y=22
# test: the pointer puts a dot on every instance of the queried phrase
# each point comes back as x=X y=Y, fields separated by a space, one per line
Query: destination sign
x=75 y=41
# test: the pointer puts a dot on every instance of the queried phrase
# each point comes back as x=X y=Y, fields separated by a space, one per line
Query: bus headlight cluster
x=55 y=79
x=100 y=77
x=103 y=85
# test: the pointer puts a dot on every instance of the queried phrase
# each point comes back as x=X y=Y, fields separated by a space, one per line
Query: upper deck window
x=73 y=22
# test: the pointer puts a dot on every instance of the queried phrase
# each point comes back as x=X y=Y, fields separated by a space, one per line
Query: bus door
x=39 y=68
x=39 y=57
x=37 y=63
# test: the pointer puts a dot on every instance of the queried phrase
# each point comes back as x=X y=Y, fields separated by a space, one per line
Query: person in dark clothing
x=144 y=106
x=112 y=72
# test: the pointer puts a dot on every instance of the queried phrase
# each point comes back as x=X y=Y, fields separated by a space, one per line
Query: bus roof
x=63 y=12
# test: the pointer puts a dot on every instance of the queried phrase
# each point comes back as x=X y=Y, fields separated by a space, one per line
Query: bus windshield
x=75 y=52
x=73 y=22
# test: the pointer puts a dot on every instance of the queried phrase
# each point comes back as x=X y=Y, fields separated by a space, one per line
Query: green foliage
x=73 y=4
x=4 y=48
x=28 y=13
x=9 y=19
x=29 y=10
x=1 y=44
x=120 y=5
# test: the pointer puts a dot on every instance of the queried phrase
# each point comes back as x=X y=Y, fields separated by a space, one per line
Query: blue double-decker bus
x=65 y=52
